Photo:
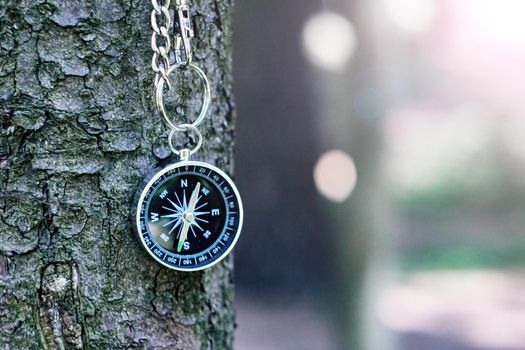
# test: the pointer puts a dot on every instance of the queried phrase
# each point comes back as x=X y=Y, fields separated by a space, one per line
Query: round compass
x=189 y=216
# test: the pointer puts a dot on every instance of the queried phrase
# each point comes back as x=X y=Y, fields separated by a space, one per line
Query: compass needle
x=188 y=216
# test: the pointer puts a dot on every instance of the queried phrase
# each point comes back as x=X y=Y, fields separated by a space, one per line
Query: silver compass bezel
x=138 y=204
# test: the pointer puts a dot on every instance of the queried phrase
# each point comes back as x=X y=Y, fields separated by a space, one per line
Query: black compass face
x=189 y=216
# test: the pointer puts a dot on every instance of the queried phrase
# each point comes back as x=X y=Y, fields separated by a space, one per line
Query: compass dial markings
x=193 y=231
x=195 y=223
x=174 y=227
x=210 y=237
x=202 y=205
x=181 y=205
x=176 y=220
x=184 y=200
x=177 y=207
x=170 y=209
x=200 y=219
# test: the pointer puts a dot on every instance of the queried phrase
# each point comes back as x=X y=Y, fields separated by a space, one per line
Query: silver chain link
x=160 y=62
x=161 y=65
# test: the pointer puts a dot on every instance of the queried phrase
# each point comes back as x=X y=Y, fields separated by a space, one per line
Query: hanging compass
x=189 y=216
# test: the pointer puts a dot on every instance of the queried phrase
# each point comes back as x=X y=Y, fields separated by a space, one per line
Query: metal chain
x=161 y=65
x=160 y=62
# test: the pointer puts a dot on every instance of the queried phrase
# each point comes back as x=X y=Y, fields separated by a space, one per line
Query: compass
x=189 y=216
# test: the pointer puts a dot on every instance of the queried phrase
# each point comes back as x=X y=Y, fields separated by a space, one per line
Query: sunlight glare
x=499 y=20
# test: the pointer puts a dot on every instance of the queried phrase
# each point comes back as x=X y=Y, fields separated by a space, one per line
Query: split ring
x=185 y=127
x=205 y=102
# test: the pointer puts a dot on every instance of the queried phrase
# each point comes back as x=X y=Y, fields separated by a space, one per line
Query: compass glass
x=189 y=216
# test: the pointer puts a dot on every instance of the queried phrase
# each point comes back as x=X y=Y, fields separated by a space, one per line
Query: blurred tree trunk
x=351 y=103
x=79 y=131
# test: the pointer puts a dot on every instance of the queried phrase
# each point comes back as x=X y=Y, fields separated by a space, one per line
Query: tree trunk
x=79 y=132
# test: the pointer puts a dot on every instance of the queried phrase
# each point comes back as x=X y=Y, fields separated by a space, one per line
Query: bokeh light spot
x=335 y=175
x=329 y=40
x=411 y=15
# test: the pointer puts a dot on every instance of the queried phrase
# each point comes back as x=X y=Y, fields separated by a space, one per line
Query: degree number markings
x=189 y=216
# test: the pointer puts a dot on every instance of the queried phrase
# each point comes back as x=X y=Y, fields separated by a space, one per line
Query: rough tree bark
x=79 y=131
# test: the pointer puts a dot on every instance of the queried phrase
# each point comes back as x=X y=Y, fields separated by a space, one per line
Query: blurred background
x=381 y=158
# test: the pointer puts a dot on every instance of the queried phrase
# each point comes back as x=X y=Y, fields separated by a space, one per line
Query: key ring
x=185 y=153
x=205 y=102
